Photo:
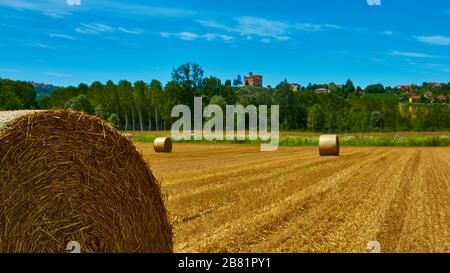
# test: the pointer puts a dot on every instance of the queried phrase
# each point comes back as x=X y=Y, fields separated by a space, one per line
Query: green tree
x=125 y=90
x=188 y=75
x=284 y=97
x=315 y=118
x=376 y=119
x=157 y=99
x=101 y=111
x=80 y=103
x=375 y=89
x=114 y=119
x=97 y=94
x=238 y=81
x=139 y=97
x=218 y=100
x=9 y=101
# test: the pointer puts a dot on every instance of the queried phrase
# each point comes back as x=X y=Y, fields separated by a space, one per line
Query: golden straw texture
x=67 y=176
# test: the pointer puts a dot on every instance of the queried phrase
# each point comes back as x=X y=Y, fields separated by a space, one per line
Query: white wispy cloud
x=130 y=31
x=191 y=36
x=214 y=24
x=216 y=36
x=265 y=29
x=252 y=26
x=262 y=27
x=317 y=27
x=96 y=28
x=377 y=60
x=412 y=54
x=188 y=36
x=124 y=8
x=52 y=8
x=57 y=74
x=387 y=33
x=41 y=45
x=165 y=34
x=434 y=40
x=60 y=8
x=62 y=36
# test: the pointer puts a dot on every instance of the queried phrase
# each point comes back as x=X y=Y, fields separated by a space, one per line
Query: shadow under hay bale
x=162 y=145
x=66 y=176
x=329 y=145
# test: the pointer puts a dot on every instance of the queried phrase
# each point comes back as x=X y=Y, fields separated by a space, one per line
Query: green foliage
x=15 y=95
x=101 y=111
x=188 y=75
x=114 y=119
x=347 y=140
x=218 y=100
x=375 y=89
x=147 y=106
x=316 y=118
x=238 y=81
x=80 y=103
x=376 y=119
x=9 y=101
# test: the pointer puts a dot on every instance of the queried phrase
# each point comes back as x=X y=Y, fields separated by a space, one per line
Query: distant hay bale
x=67 y=176
x=162 y=145
x=329 y=145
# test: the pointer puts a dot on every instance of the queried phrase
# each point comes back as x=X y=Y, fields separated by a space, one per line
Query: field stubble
x=234 y=198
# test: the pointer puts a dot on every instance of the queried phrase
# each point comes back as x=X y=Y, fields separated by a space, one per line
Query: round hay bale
x=329 y=145
x=66 y=176
x=162 y=145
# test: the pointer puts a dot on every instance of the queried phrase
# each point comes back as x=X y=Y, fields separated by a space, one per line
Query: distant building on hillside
x=414 y=98
x=435 y=84
x=441 y=98
x=428 y=95
x=404 y=87
x=321 y=90
x=253 y=80
x=295 y=87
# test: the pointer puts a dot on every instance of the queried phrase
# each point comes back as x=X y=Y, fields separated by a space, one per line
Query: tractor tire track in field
x=280 y=214
x=234 y=198
x=251 y=201
x=395 y=216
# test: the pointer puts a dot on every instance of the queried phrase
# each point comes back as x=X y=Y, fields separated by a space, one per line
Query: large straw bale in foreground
x=66 y=176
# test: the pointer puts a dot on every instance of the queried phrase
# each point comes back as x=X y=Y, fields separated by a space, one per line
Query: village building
x=321 y=90
x=404 y=87
x=253 y=80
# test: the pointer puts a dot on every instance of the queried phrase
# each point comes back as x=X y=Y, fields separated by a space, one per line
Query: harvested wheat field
x=234 y=198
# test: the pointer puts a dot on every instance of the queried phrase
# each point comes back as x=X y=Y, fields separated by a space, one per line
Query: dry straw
x=162 y=145
x=66 y=176
x=329 y=145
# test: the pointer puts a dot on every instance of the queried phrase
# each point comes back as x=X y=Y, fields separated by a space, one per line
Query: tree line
x=147 y=105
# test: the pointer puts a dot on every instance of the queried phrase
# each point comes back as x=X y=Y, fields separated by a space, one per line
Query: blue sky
x=318 y=41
